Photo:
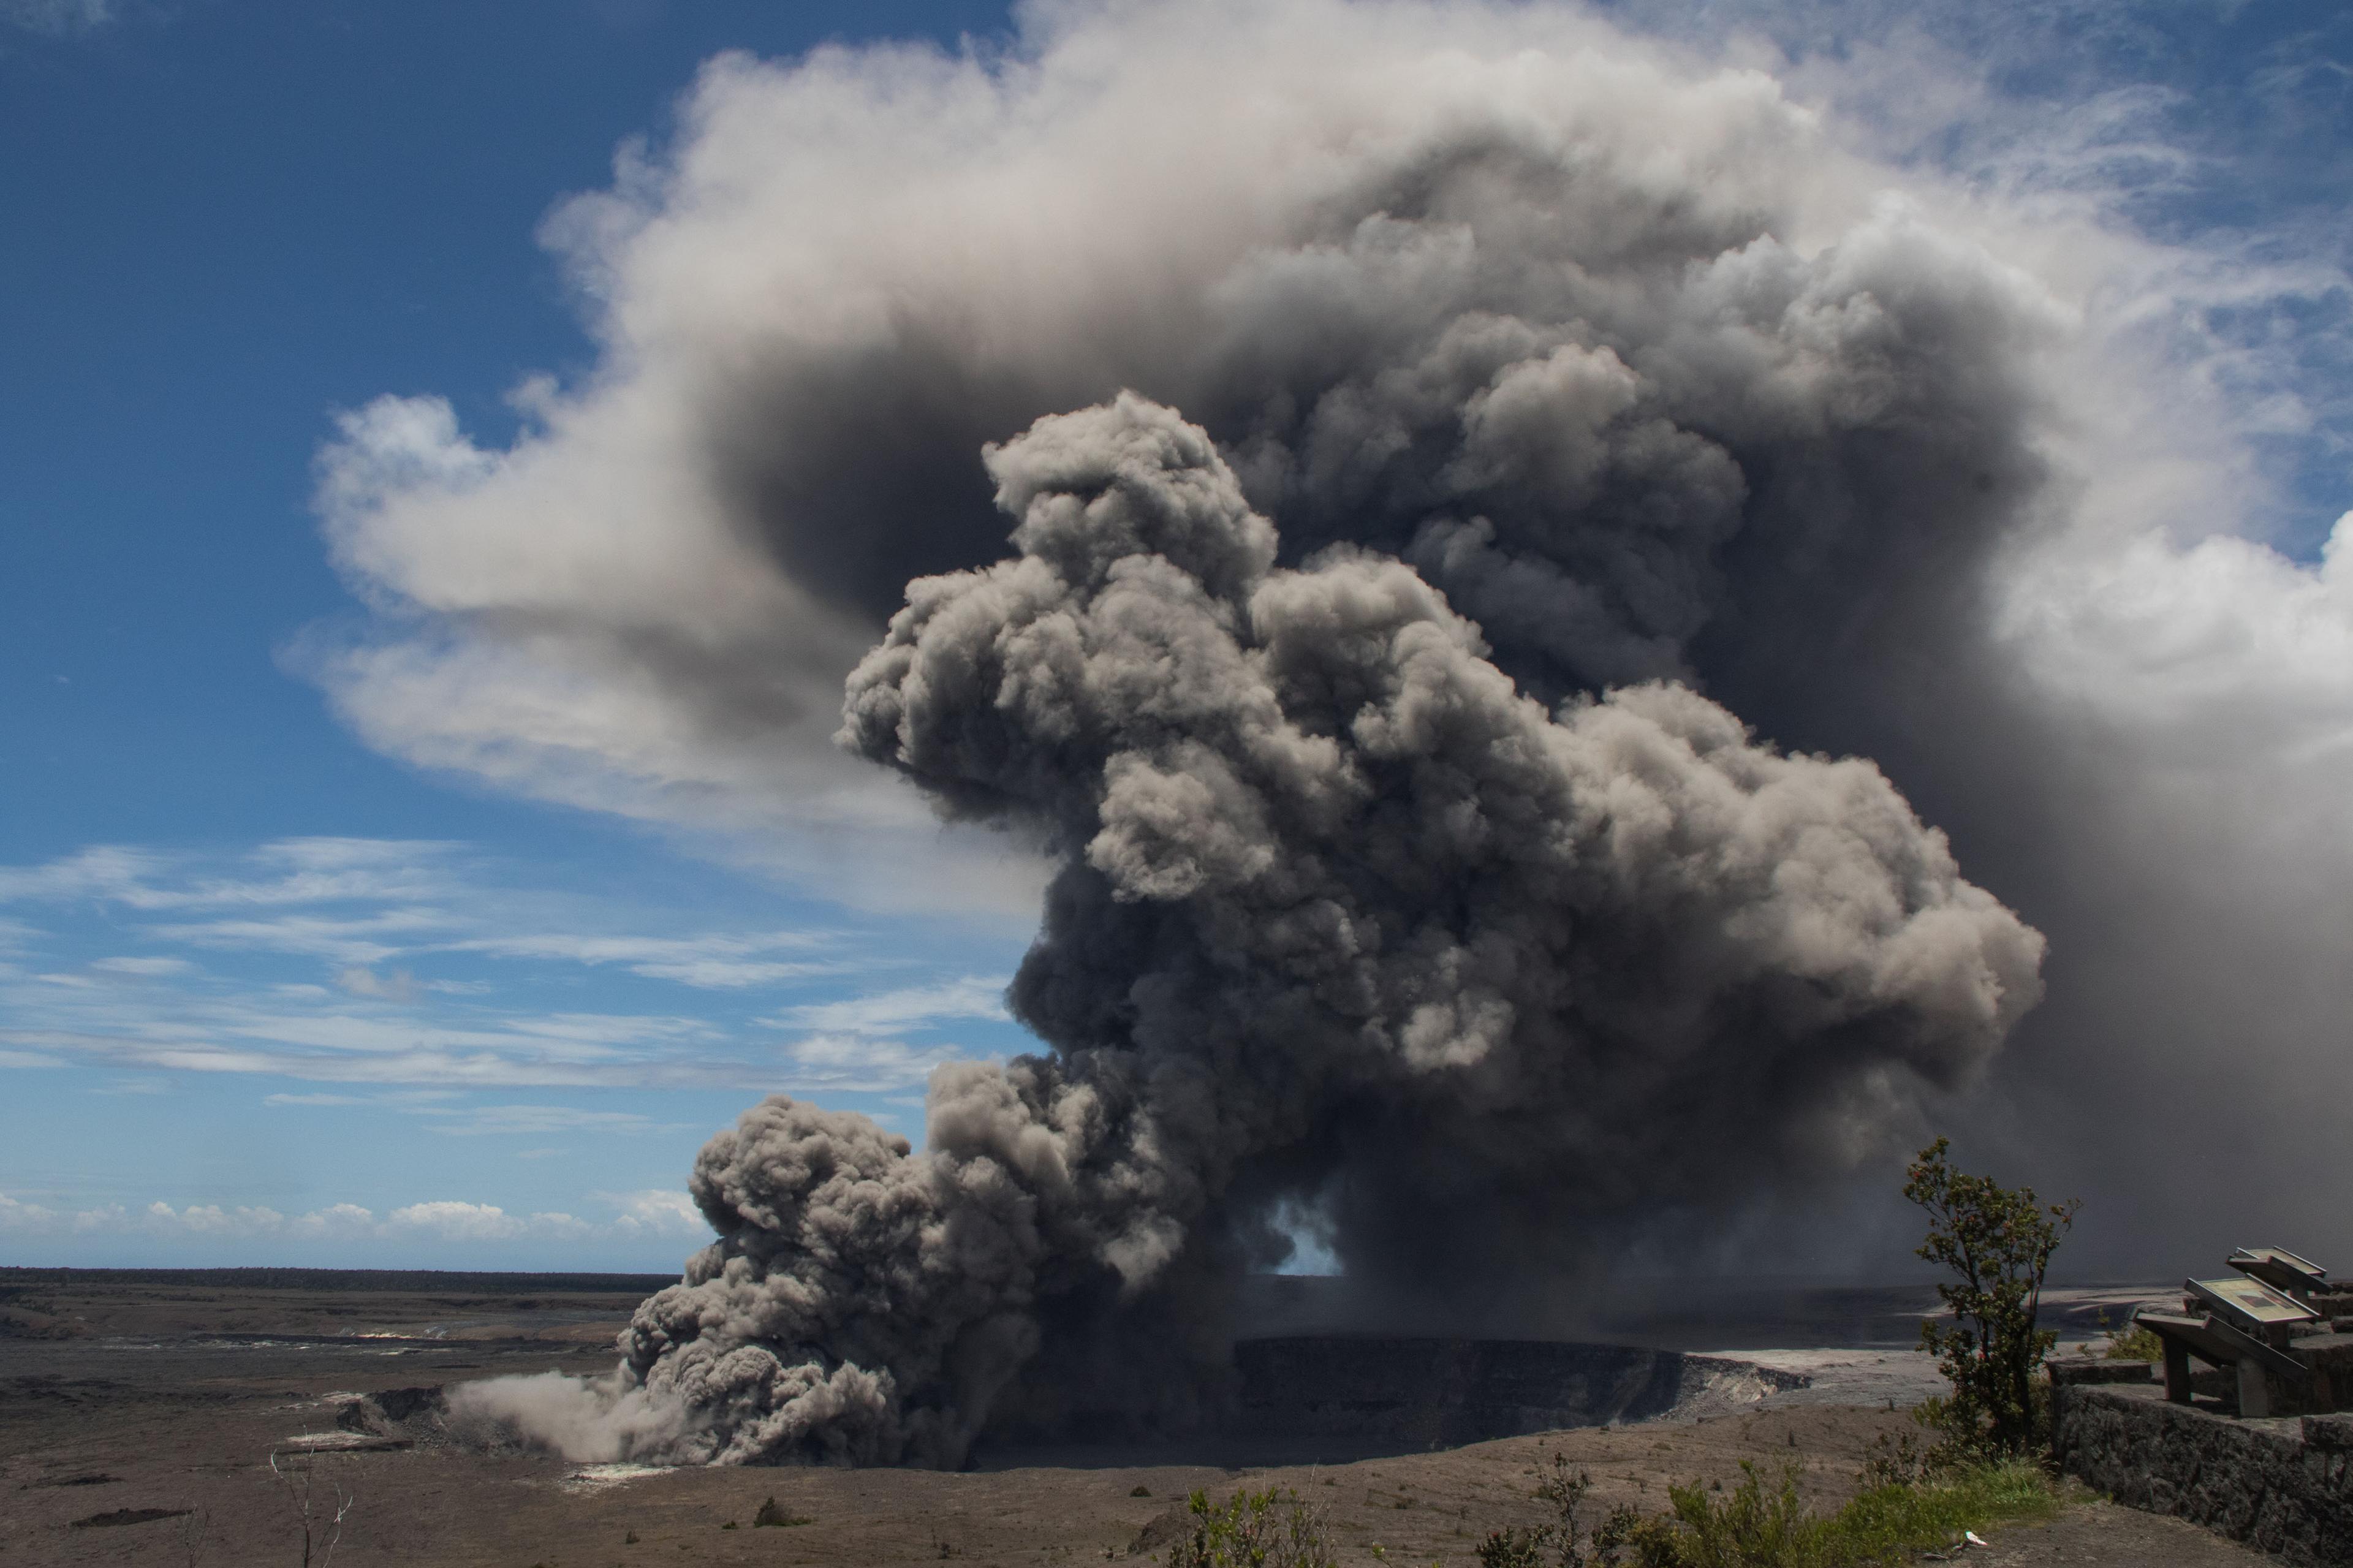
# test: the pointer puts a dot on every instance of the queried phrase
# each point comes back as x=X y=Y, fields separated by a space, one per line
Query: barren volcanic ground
x=139 y=1412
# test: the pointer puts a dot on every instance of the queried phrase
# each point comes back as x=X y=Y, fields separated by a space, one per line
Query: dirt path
x=2099 y=1534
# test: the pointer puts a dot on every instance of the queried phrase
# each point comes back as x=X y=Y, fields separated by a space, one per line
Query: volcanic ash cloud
x=1340 y=917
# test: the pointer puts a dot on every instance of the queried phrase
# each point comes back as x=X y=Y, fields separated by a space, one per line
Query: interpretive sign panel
x=2280 y=1269
x=2250 y=1303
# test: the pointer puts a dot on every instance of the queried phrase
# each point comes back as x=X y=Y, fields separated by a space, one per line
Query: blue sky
x=246 y=962
x=258 y=976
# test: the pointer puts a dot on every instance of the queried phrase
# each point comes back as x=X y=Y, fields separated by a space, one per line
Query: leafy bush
x=1999 y=1242
x=1272 y=1529
x=2135 y=1342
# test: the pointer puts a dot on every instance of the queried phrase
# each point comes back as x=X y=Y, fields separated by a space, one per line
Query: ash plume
x=1340 y=916
x=1481 y=486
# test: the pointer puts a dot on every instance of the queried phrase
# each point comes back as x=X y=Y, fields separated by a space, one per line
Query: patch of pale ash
x=603 y=1477
x=1900 y=1378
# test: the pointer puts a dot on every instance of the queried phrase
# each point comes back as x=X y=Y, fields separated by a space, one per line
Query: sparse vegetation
x=1758 y=1524
x=1272 y=1529
x=1999 y=1242
x=1755 y=1526
x=773 y=1516
x=2134 y=1342
x=1139 y=1490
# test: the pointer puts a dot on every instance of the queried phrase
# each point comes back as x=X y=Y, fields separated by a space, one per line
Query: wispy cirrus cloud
x=853 y=1043
x=357 y=962
x=537 y=1120
x=56 y=17
x=864 y=1064
x=912 y=1008
x=280 y=872
x=716 y=961
x=144 y=968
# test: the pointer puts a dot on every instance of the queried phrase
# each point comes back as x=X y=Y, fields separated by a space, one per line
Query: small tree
x=1999 y=1242
x=321 y=1531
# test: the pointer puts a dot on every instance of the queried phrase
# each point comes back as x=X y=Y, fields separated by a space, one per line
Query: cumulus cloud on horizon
x=649 y=1214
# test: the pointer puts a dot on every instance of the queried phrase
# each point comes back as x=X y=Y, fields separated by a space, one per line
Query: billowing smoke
x=1480 y=485
x=1341 y=917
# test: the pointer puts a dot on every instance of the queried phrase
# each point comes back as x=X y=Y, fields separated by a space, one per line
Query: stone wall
x=2283 y=1485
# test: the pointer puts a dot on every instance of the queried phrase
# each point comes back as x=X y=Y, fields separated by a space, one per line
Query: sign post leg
x=2176 y=1372
x=2254 y=1394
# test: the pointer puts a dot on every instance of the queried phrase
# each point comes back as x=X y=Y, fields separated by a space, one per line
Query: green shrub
x=1999 y=1242
x=1755 y=1526
x=1271 y=1529
x=1762 y=1524
x=2134 y=1341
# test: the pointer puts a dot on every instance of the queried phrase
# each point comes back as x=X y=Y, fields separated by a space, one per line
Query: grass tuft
x=1755 y=1526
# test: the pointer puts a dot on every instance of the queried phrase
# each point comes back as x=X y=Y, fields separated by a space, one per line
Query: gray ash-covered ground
x=137 y=1427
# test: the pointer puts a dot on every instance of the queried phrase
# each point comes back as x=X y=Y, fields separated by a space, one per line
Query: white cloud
x=290 y=871
x=636 y=1215
x=852 y=1046
x=530 y=1120
x=398 y=985
x=864 y=1063
x=144 y=968
x=713 y=962
x=19 y=1215
x=656 y=1212
x=464 y=1222
x=136 y=1086
x=457 y=1221
x=336 y=1221
x=101 y=872
x=355 y=942
x=382 y=1015
x=56 y=16
x=913 y=1007
x=211 y=1219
